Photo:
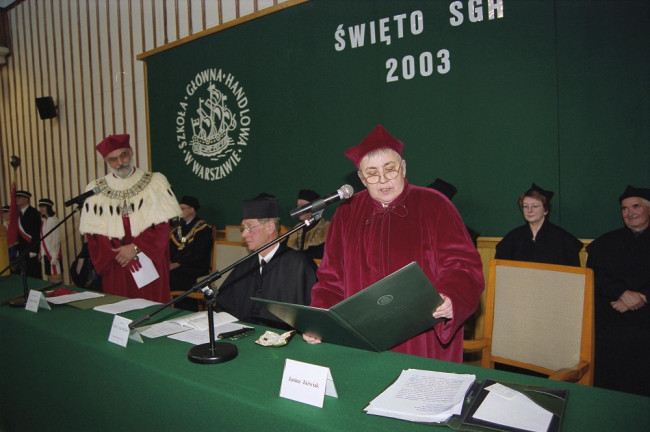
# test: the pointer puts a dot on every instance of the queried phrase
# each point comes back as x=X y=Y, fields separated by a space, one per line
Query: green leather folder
x=377 y=318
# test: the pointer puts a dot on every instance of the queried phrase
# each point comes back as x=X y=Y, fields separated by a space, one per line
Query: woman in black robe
x=539 y=240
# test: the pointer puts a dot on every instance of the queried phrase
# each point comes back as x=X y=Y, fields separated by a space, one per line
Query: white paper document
x=423 y=396
x=508 y=407
x=198 y=337
x=125 y=306
x=68 y=298
x=145 y=274
x=195 y=321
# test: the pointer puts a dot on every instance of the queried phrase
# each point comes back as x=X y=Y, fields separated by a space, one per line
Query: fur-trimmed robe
x=150 y=204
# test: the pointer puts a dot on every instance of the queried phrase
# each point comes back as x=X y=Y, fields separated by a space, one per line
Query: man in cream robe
x=127 y=219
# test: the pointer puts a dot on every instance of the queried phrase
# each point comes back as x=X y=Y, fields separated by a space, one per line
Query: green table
x=59 y=372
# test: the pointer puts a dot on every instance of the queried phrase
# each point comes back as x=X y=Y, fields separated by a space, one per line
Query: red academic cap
x=112 y=143
x=379 y=138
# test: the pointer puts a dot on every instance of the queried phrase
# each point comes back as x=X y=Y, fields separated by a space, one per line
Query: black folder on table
x=383 y=315
x=552 y=400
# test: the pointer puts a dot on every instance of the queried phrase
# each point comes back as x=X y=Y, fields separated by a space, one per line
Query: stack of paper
x=423 y=396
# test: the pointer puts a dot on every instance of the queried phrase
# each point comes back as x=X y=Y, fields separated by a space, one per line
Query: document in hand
x=377 y=318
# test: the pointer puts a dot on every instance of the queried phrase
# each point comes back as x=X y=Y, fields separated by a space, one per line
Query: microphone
x=81 y=198
x=343 y=193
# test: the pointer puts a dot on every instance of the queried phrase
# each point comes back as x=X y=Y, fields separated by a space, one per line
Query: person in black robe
x=621 y=263
x=276 y=273
x=310 y=239
x=190 y=249
x=449 y=190
x=539 y=240
x=29 y=230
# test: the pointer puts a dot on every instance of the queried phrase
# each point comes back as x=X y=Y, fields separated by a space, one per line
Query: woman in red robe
x=390 y=224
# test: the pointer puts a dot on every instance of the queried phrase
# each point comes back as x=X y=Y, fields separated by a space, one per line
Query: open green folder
x=377 y=318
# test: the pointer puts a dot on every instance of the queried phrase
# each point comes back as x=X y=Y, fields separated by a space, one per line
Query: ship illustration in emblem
x=212 y=126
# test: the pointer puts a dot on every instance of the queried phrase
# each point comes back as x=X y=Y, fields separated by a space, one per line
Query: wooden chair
x=233 y=233
x=225 y=254
x=539 y=317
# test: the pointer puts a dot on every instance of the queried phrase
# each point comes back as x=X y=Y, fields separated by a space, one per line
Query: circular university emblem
x=384 y=300
x=213 y=124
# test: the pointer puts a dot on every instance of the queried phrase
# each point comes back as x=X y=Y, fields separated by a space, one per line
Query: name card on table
x=36 y=300
x=306 y=383
x=121 y=333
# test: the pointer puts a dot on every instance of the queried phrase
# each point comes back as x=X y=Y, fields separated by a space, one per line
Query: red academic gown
x=367 y=242
x=154 y=242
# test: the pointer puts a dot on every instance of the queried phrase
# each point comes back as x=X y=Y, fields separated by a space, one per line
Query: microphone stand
x=21 y=301
x=217 y=352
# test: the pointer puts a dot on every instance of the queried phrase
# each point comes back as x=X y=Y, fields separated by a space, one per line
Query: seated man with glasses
x=539 y=240
x=390 y=224
x=277 y=273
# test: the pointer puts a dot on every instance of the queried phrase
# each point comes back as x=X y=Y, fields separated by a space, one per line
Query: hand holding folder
x=377 y=318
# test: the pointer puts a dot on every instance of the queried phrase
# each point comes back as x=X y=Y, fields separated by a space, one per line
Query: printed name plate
x=121 y=333
x=306 y=383
x=36 y=300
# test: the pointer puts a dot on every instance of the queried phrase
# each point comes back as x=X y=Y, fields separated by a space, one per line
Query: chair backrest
x=540 y=316
x=233 y=234
x=226 y=253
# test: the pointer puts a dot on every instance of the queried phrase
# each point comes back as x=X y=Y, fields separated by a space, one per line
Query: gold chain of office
x=180 y=241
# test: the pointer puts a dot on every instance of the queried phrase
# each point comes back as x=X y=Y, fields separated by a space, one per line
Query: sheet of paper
x=165 y=328
x=74 y=297
x=198 y=320
x=145 y=274
x=125 y=306
x=423 y=396
x=197 y=337
x=513 y=409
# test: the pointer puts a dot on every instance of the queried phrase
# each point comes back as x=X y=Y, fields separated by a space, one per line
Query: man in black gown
x=621 y=263
x=276 y=273
x=190 y=247
x=29 y=230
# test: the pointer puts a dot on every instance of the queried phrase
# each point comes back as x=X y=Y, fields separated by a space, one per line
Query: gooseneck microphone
x=343 y=193
x=79 y=200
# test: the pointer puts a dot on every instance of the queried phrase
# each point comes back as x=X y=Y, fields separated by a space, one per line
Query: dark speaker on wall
x=46 y=107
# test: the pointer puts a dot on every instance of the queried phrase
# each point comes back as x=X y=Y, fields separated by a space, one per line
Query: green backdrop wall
x=487 y=95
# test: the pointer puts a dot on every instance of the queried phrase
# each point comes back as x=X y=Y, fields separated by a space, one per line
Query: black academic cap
x=544 y=192
x=631 y=191
x=191 y=201
x=308 y=195
x=263 y=206
x=442 y=186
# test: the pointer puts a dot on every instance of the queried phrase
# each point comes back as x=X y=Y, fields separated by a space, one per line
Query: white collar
x=269 y=255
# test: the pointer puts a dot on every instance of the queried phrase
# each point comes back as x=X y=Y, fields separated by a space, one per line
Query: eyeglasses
x=123 y=155
x=249 y=229
x=531 y=207
x=389 y=174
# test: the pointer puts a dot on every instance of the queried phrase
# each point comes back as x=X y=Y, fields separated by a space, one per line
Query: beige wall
x=83 y=54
